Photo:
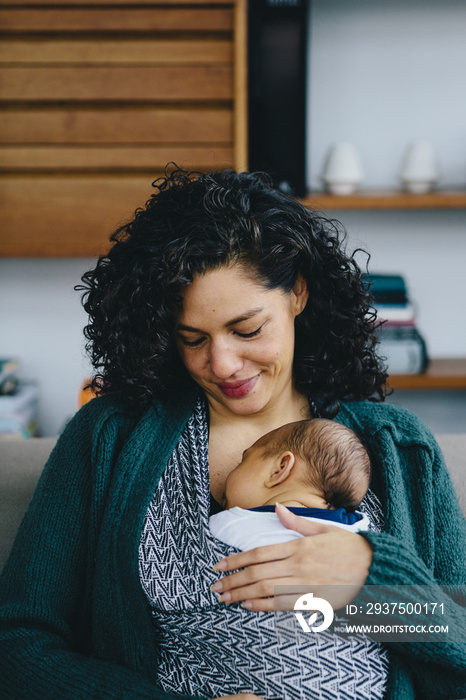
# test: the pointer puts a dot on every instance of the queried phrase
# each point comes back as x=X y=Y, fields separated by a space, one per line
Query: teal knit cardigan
x=74 y=621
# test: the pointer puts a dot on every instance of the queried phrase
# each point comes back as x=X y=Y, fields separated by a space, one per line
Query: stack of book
x=8 y=378
x=18 y=403
x=401 y=343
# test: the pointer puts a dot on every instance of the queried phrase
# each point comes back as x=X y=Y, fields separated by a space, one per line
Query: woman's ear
x=280 y=470
x=300 y=295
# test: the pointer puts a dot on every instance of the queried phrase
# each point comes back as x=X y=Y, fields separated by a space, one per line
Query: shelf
x=378 y=199
x=443 y=374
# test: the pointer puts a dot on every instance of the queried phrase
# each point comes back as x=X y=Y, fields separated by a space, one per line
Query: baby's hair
x=339 y=464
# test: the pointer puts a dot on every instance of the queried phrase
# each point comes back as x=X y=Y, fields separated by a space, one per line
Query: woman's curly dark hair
x=195 y=222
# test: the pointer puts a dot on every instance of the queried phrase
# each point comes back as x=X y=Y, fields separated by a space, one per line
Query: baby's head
x=317 y=462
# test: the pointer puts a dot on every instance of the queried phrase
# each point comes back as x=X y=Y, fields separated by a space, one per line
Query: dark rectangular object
x=277 y=90
x=387 y=289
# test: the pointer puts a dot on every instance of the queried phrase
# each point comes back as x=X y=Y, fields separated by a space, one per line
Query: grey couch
x=21 y=463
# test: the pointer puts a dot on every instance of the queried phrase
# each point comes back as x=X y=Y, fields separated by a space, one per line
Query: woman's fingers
x=336 y=558
x=301 y=525
x=271 y=552
x=263 y=588
x=337 y=596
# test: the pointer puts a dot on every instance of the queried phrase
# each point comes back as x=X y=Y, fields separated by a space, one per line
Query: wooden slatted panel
x=240 y=70
x=148 y=84
x=117 y=3
x=66 y=216
x=97 y=99
x=142 y=158
x=124 y=19
x=117 y=125
x=105 y=51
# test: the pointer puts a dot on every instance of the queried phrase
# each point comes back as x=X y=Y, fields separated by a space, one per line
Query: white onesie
x=256 y=527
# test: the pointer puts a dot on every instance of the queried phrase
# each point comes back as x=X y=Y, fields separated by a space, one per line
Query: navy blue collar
x=339 y=515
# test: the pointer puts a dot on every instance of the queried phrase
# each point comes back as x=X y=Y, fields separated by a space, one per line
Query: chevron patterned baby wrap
x=209 y=649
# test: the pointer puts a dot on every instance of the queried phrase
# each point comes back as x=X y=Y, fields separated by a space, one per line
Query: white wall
x=382 y=73
x=41 y=322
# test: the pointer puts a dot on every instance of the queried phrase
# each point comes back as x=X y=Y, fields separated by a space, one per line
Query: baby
x=317 y=468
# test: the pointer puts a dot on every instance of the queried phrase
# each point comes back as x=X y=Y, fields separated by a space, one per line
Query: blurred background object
x=400 y=341
x=18 y=403
x=86 y=394
x=342 y=169
x=277 y=86
x=419 y=171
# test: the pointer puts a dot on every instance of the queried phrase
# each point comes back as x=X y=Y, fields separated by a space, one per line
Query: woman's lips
x=235 y=390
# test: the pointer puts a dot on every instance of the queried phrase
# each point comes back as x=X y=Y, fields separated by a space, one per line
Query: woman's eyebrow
x=244 y=317
x=181 y=327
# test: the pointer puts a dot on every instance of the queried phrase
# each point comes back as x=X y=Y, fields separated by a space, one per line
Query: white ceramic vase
x=342 y=171
x=419 y=171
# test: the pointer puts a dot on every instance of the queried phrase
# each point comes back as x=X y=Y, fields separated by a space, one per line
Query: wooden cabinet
x=96 y=98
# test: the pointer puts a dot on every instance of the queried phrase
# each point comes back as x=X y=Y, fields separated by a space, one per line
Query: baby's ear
x=280 y=469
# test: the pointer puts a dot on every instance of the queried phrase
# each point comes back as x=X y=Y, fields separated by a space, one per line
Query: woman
x=223 y=310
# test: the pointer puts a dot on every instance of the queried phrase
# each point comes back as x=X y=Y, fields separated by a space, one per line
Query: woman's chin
x=241 y=406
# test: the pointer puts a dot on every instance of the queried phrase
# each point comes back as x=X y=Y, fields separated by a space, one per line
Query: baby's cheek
x=229 y=486
x=234 y=491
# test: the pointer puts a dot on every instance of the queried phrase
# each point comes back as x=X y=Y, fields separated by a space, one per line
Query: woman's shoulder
x=370 y=417
x=100 y=418
x=112 y=413
x=101 y=409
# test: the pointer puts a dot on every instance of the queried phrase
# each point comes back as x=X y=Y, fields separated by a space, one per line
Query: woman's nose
x=224 y=359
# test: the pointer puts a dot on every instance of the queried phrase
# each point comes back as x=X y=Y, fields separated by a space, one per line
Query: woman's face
x=236 y=339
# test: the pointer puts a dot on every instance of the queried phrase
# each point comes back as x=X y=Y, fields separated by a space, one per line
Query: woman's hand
x=327 y=557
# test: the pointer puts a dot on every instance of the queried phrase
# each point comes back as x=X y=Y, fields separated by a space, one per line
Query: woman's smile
x=238 y=389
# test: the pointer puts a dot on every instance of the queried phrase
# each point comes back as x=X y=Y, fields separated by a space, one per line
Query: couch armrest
x=21 y=463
